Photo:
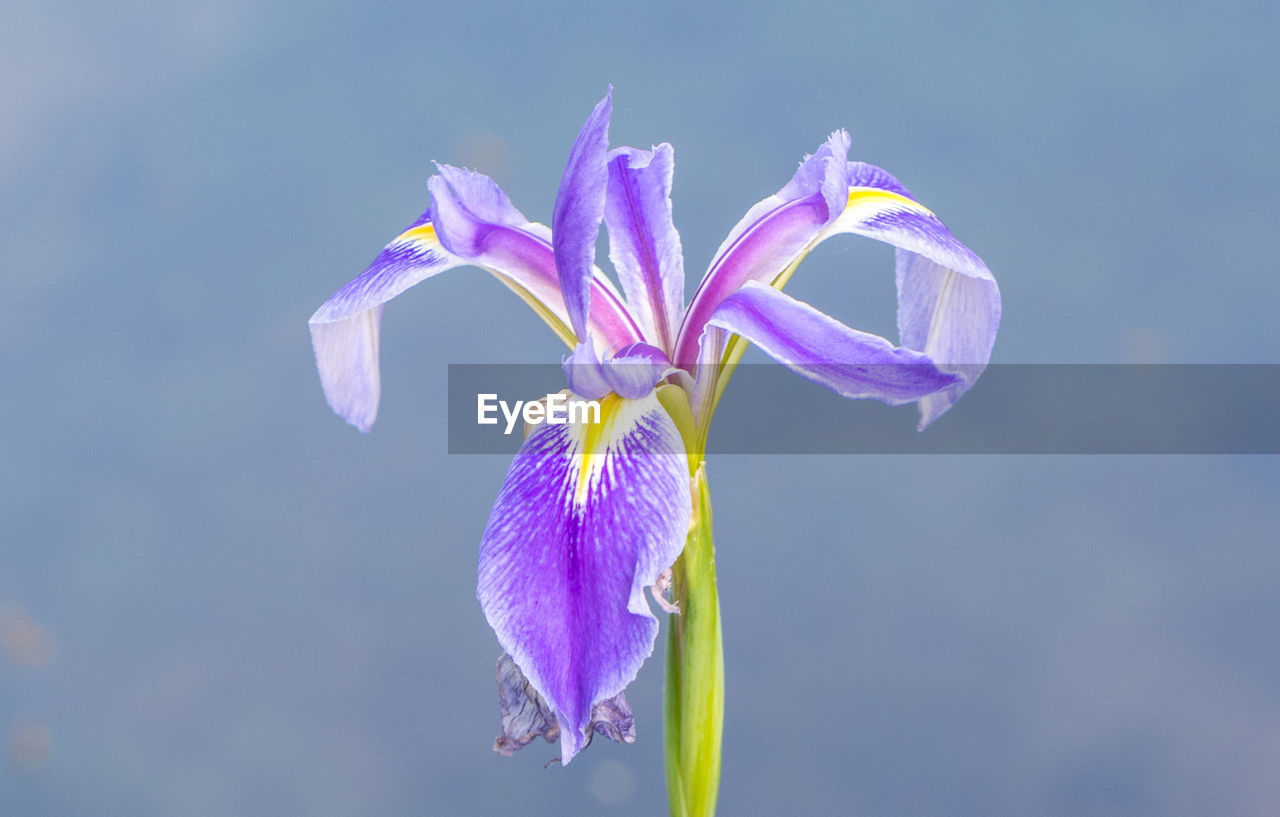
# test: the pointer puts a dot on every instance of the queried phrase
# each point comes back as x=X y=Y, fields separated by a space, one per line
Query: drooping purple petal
x=773 y=235
x=862 y=174
x=588 y=516
x=486 y=201
x=851 y=363
x=644 y=245
x=344 y=330
x=879 y=207
x=948 y=301
x=952 y=317
x=579 y=208
x=477 y=222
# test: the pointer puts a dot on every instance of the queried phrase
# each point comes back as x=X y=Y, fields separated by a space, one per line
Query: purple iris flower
x=590 y=515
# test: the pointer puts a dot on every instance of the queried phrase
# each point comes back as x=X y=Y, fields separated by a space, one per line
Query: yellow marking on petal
x=423 y=232
x=596 y=439
x=864 y=196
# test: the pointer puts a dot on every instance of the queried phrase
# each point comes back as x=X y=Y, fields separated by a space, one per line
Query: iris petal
x=579 y=208
x=952 y=317
x=632 y=372
x=588 y=516
x=344 y=330
x=851 y=363
x=644 y=245
x=773 y=235
x=948 y=301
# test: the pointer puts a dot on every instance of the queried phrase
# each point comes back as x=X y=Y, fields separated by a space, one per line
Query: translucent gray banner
x=1013 y=409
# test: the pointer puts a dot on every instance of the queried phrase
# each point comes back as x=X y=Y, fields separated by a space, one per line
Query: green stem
x=694 y=705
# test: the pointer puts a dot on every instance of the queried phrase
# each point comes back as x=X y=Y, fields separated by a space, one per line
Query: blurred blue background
x=218 y=599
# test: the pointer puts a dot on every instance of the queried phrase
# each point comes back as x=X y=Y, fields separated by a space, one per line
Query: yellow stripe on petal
x=593 y=441
x=602 y=448
x=425 y=233
x=865 y=202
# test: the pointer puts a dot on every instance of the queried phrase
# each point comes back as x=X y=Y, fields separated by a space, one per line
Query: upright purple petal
x=588 y=516
x=772 y=236
x=575 y=222
x=344 y=330
x=851 y=363
x=643 y=243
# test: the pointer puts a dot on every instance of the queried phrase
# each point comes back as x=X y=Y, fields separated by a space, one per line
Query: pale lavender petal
x=579 y=208
x=644 y=245
x=483 y=197
x=588 y=516
x=824 y=171
x=344 y=330
x=948 y=301
x=467 y=206
x=584 y=372
x=632 y=372
x=882 y=209
x=952 y=317
x=770 y=237
x=643 y=351
x=851 y=363
x=862 y=174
